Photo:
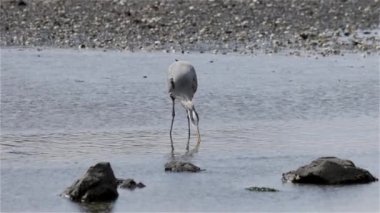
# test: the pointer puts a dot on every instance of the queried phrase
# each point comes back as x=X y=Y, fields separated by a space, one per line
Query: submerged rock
x=261 y=189
x=130 y=184
x=329 y=170
x=97 y=184
x=179 y=166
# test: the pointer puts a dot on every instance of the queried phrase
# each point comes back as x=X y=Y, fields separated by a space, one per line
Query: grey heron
x=182 y=85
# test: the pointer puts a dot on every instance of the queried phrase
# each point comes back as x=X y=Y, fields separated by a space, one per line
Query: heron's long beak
x=198 y=138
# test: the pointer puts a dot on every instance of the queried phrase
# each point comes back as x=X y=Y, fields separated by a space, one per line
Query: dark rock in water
x=329 y=170
x=98 y=184
x=179 y=166
x=130 y=184
x=140 y=185
x=261 y=189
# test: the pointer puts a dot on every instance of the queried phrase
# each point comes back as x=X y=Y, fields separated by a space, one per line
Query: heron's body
x=182 y=85
x=182 y=80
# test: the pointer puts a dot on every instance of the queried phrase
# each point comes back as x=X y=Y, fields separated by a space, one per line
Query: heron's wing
x=194 y=84
x=171 y=85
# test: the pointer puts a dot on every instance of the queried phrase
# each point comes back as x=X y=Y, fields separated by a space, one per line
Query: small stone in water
x=178 y=166
x=261 y=189
x=130 y=184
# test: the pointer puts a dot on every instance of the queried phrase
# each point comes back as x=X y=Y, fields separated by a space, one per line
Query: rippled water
x=260 y=116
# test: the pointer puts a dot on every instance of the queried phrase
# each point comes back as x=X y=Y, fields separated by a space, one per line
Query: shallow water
x=64 y=110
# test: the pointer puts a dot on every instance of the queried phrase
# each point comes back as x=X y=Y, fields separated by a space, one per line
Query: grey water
x=260 y=116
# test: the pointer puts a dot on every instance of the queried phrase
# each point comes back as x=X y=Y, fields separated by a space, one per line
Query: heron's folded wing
x=194 y=84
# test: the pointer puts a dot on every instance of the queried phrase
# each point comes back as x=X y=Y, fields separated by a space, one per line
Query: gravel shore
x=219 y=26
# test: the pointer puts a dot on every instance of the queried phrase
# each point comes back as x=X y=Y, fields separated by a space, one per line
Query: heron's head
x=193 y=115
x=191 y=112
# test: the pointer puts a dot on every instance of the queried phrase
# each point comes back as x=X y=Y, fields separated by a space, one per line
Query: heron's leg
x=188 y=136
x=171 y=127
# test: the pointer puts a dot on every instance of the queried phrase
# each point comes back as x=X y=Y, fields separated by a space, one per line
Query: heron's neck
x=187 y=104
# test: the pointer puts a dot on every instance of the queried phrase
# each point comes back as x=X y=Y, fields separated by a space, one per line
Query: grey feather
x=182 y=80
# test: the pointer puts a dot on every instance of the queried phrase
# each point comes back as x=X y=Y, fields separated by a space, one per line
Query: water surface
x=64 y=110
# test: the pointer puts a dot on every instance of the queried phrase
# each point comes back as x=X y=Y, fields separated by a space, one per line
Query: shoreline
x=283 y=52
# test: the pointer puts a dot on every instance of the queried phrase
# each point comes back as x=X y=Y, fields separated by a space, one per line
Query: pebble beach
x=215 y=26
